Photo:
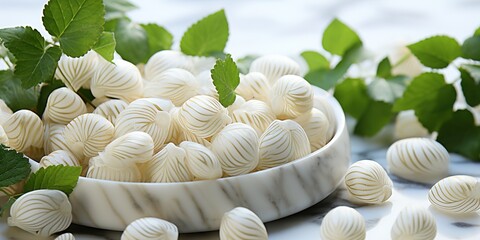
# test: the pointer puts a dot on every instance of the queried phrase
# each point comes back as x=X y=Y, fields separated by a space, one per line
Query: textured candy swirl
x=201 y=161
x=25 y=130
x=241 y=223
x=59 y=157
x=65 y=236
x=316 y=125
x=63 y=105
x=111 y=109
x=164 y=60
x=414 y=223
x=150 y=228
x=175 y=84
x=98 y=169
x=456 y=194
x=254 y=86
x=343 y=223
x=275 y=66
x=168 y=165
x=255 y=113
x=290 y=97
x=129 y=149
x=77 y=72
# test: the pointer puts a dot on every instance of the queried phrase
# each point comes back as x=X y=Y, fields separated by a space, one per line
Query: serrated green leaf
x=36 y=61
x=477 y=32
x=117 y=8
x=55 y=177
x=132 y=41
x=353 y=96
x=158 y=39
x=243 y=64
x=431 y=98
x=470 y=86
x=15 y=167
x=14 y=95
x=106 y=46
x=471 y=48
x=338 y=38
x=437 y=51
x=208 y=35
x=374 y=118
x=77 y=24
x=384 y=68
x=45 y=91
x=226 y=78
x=460 y=134
x=315 y=60
x=387 y=90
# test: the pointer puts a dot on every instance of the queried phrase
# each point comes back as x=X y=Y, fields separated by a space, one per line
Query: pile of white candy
x=165 y=124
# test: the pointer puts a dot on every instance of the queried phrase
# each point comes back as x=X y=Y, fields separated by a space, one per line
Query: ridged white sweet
x=145 y=116
x=3 y=137
x=77 y=72
x=316 y=125
x=150 y=228
x=87 y=135
x=57 y=142
x=290 y=97
x=239 y=101
x=188 y=136
x=63 y=105
x=175 y=84
x=41 y=212
x=418 y=159
x=255 y=113
x=282 y=142
x=275 y=66
x=321 y=103
x=120 y=79
x=25 y=133
x=408 y=126
x=343 y=223
x=59 y=157
x=241 y=223
x=65 y=236
x=201 y=161
x=164 y=60
x=456 y=194
x=206 y=84
x=414 y=223
x=175 y=134
x=129 y=149
x=51 y=130
x=111 y=109
x=204 y=116
x=168 y=165
x=236 y=147
x=5 y=112
x=98 y=169
x=254 y=86
x=202 y=64
x=367 y=182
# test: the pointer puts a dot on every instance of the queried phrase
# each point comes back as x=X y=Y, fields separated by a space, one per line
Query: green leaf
x=459 y=134
x=477 y=32
x=374 y=118
x=244 y=63
x=387 y=90
x=338 y=38
x=437 y=51
x=77 y=24
x=106 y=46
x=7 y=205
x=470 y=85
x=45 y=91
x=431 y=98
x=471 y=48
x=208 y=35
x=14 y=95
x=36 y=61
x=132 y=41
x=55 y=177
x=158 y=38
x=315 y=60
x=226 y=78
x=117 y=8
x=352 y=95
x=384 y=69
x=15 y=167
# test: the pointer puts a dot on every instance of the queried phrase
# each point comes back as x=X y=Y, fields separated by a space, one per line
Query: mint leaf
x=387 y=90
x=437 y=51
x=243 y=64
x=384 y=69
x=471 y=48
x=352 y=95
x=206 y=36
x=158 y=38
x=55 y=177
x=431 y=98
x=477 y=32
x=106 y=46
x=459 y=134
x=338 y=38
x=14 y=95
x=471 y=85
x=36 y=61
x=117 y=8
x=15 y=167
x=374 y=118
x=77 y=24
x=226 y=78
x=315 y=60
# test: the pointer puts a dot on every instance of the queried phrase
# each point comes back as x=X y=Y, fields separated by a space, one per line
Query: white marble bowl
x=199 y=206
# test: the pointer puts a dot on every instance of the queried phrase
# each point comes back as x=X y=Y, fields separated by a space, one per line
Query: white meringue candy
x=204 y=116
x=206 y=84
x=168 y=165
x=65 y=236
x=255 y=113
x=239 y=101
x=282 y=142
x=25 y=133
x=150 y=228
x=111 y=109
x=41 y=212
x=77 y=72
x=367 y=182
x=59 y=157
x=175 y=84
x=201 y=161
x=321 y=103
x=414 y=223
x=87 y=135
x=175 y=134
x=241 y=223
x=418 y=159
x=456 y=194
x=291 y=96
x=5 y=112
x=164 y=60
x=408 y=126
x=343 y=223
x=120 y=79
x=145 y=116
x=254 y=86
x=51 y=130
x=131 y=148
x=275 y=66
x=316 y=125
x=3 y=137
x=98 y=169
x=236 y=147
x=188 y=136
x=201 y=64
x=63 y=105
